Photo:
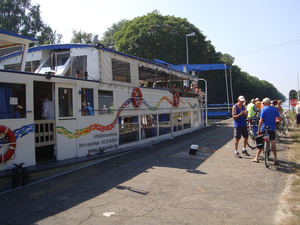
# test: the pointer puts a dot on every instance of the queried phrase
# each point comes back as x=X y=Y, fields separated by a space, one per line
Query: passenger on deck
x=89 y=110
x=150 y=84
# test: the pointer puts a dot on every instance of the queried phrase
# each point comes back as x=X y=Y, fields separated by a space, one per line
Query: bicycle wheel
x=285 y=129
x=290 y=123
x=278 y=132
x=266 y=151
x=251 y=140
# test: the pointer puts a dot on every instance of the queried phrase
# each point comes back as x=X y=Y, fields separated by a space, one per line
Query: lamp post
x=187 y=46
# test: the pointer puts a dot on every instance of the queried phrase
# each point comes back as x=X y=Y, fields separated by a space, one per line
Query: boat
x=98 y=99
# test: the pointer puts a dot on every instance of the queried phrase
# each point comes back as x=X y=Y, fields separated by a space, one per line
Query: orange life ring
x=12 y=139
x=137 y=97
x=176 y=99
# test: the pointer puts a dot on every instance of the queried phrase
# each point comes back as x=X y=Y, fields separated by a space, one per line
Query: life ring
x=137 y=97
x=12 y=139
x=176 y=99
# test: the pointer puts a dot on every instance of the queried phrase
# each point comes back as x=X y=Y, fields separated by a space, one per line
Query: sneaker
x=245 y=152
x=276 y=163
x=238 y=155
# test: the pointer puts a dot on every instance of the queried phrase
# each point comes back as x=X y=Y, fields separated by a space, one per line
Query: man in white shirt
x=48 y=112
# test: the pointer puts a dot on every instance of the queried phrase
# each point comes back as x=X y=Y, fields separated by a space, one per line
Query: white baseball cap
x=241 y=98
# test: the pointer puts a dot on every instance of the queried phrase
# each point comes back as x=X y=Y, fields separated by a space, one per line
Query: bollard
x=193 y=149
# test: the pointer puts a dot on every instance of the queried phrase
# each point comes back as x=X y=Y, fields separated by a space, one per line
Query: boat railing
x=45 y=133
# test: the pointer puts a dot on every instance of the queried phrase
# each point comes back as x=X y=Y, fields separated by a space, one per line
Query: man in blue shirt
x=268 y=117
x=89 y=110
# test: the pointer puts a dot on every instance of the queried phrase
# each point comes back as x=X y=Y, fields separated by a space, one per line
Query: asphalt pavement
x=162 y=184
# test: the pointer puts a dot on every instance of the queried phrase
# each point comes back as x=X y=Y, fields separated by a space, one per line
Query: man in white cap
x=239 y=114
x=268 y=117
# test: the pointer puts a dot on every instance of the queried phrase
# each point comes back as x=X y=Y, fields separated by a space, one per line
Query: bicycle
x=266 y=148
x=252 y=127
x=288 y=120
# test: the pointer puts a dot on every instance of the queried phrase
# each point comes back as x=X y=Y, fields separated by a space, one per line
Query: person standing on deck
x=48 y=110
x=239 y=114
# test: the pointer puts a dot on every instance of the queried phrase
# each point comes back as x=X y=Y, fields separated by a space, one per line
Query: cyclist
x=239 y=114
x=268 y=117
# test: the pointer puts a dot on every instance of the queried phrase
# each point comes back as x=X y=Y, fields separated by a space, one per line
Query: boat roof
x=9 y=39
x=45 y=47
x=70 y=46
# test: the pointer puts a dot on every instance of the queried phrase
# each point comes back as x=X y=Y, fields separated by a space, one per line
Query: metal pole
x=227 y=89
x=187 y=51
x=205 y=100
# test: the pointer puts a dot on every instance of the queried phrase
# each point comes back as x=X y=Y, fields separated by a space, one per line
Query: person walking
x=268 y=117
x=239 y=114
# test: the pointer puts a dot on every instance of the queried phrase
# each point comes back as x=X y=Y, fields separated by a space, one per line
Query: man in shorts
x=239 y=114
x=268 y=117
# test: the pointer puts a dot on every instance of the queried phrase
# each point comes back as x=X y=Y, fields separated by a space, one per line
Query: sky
x=262 y=35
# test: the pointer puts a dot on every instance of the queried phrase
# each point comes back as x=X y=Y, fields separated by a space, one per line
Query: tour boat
x=99 y=101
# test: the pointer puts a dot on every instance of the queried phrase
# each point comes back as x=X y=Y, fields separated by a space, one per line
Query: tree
x=163 y=37
x=82 y=37
x=228 y=59
x=23 y=18
x=108 y=39
x=48 y=36
x=19 y=16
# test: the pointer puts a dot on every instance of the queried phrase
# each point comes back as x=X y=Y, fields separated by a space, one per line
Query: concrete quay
x=162 y=184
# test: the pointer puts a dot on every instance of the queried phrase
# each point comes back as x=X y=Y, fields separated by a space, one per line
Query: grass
x=292 y=196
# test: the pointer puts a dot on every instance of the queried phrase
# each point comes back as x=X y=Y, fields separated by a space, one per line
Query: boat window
x=56 y=61
x=78 y=66
x=65 y=102
x=195 y=117
x=177 y=121
x=149 y=126
x=164 y=124
x=121 y=71
x=30 y=66
x=12 y=101
x=128 y=129
x=186 y=120
x=105 y=102
x=87 y=102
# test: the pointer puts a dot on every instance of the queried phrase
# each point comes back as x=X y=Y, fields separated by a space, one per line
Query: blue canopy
x=201 y=67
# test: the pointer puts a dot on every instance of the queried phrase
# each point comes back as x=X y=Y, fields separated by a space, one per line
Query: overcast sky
x=262 y=35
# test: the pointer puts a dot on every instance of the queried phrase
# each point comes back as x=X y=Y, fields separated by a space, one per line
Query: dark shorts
x=298 y=119
x=239 y=131
x=270 y=132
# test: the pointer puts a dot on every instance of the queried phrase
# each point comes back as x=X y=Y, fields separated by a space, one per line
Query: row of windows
x=153 y=125
x=13 y=101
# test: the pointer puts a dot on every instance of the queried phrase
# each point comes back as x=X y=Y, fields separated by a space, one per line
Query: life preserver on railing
x=12 y=139
x=137 y=97
x=176 y=99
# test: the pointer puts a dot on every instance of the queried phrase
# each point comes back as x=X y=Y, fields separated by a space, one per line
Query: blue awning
x=201 y=67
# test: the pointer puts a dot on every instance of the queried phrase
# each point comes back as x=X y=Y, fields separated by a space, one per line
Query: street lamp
x=187 y=46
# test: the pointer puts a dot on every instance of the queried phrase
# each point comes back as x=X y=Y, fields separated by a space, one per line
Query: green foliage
x=82 y=37
x=23 y=18
x=48 y=36
x=108 y=39
x=163 y=37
